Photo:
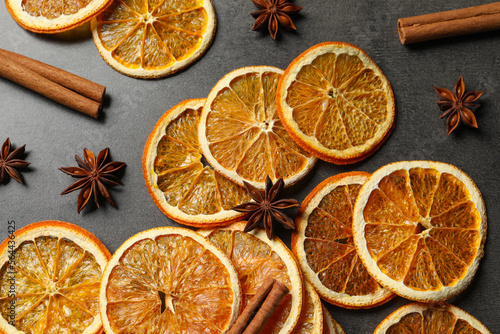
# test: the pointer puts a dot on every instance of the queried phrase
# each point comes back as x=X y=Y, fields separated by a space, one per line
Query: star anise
x=458 y=105
x=95 y=177
x=10 y=162
x=267 y=209
x=272 y=12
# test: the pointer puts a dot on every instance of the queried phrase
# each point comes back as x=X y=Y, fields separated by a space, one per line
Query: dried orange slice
x=419 y=227
x=329 y=324
x=241 y=134
x=181 y=186
x=49 y=280
x=256 y=258
x=54 y=16
x=417 y=318
x=311 y=319
x=169 y=280
x=323 y=245
x=336 y=103
x=151 y=39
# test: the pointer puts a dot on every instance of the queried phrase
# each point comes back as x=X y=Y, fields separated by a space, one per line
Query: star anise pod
x=95 y=177
x=11 y=162
x=267 y=208
x=458 y=105
x=272 y=12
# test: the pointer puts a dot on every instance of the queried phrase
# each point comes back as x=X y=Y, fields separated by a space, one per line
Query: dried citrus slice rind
x=181 y=186
x=169 y=280
x=311 y=317
x=50 y=17
x=330 y=325
x=49 y=280
x=151 y=39
x=241 y=134
x=323 y=245
x=256 y=258
x=419 y=318
x=419 y=228
x=336 y=103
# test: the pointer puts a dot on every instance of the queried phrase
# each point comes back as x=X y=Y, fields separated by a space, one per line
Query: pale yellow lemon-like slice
x=419 y=227
x=154 y=38
x=49 y=280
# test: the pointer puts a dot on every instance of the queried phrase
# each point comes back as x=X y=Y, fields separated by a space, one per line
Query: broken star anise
x=458 y=105
x=267 y=209
x=95 y=177
x=272 y=12
x=10 y=162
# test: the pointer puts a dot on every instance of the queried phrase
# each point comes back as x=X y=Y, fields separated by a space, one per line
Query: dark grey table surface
x=53 y=134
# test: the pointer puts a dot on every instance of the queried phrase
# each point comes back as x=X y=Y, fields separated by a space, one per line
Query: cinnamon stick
x=69 y=80
x=251 y=309
x=14 y=71
x=450 y=23
x=260 y=308
x=277 y=293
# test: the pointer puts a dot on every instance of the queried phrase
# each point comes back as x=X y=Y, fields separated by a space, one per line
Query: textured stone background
x=54 y=134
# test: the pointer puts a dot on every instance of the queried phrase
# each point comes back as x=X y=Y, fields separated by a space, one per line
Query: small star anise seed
x=458 y=105
x=95 y=176
x=267 y=209
x=272 y=12
x=11 y=162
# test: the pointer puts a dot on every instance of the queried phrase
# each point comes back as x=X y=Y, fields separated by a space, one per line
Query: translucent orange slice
x=169 y=280
x=323 y=245
x=183 y=187
x=329 y=324
x=54 y=16
x=420 y=227
x=336 y=103
x=49 y=280
x=241 y=134
x=256 y=258
x=311 y=317
x=418 y=318
x=150 y=39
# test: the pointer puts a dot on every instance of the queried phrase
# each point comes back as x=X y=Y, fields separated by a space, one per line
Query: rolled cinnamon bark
x=69 y=80
x=12 y=70
x=450 y=23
